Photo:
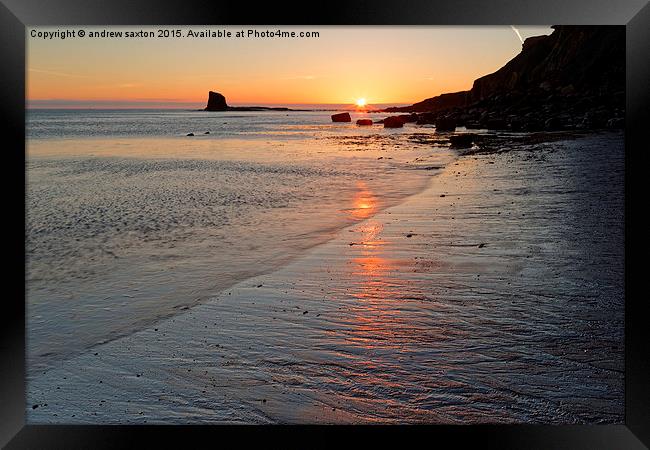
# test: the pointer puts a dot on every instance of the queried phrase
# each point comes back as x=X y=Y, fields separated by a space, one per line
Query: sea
x=130 y=221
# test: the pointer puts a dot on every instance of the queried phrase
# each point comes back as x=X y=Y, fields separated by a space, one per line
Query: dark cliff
x=575 y=70
x=587 y=60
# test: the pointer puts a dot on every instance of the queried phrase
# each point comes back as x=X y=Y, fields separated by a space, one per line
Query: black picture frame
x=16 y=15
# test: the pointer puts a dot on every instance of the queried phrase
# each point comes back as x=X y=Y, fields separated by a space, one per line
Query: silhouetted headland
x=573 y=78
x=217 y=102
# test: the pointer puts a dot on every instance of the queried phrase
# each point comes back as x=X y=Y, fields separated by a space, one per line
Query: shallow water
x=123 y=230
x=494 y=296
x=71 y=123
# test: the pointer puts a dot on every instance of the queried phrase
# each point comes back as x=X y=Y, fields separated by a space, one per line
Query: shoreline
x=325 y=235
x=52 y=355
x=354 y=322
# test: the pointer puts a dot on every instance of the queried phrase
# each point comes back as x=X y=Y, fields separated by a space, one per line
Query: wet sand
x=494 y=296
x=123 y=233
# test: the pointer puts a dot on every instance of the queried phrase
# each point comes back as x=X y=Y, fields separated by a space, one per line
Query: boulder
x=516 y=125
x=216 y=102
x=545 y=85
x=363 y=122
x=408 y=118
x=593 y=119
x=462 y=140
x=190 y=134
x=341 y=117
x=393 y=122
x=426 y=119
x=445 y=125
x=567 y=90
x=616 y=122
x=553 y=124
x=496 y=124
x=533 y=125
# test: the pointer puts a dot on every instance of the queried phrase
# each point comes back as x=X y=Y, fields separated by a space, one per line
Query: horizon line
x=94 y=104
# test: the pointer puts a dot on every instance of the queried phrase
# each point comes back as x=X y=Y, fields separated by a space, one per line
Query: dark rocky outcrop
x=495 y=124
x=364 y=122
x=441 y=102
x=462 y=140
x=573 y=78
x=445 y=124
x=393 y=122
x=398 y=121
x=217 y=102
x=341 y=117
x=408 y=118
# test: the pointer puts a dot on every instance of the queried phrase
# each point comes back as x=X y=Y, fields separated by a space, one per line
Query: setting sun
x=361 y=102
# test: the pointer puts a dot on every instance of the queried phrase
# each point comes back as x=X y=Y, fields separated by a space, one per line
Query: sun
x=361 y=102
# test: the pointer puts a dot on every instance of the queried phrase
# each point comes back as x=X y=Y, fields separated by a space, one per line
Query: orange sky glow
x=395 y=65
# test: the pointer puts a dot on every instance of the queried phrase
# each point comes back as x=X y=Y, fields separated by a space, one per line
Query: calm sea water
x=83 y=123
x=129 y=220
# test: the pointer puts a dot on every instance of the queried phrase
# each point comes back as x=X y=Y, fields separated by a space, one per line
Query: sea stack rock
x=342 y=117
x=216 y=102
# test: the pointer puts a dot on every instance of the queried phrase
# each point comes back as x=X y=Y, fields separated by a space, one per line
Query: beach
x=125 y=229
x=489 y=291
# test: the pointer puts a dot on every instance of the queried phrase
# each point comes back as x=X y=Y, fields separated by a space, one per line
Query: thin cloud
x=58 y=74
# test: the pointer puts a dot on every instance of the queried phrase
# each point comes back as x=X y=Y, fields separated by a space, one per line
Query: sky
x=384 y=65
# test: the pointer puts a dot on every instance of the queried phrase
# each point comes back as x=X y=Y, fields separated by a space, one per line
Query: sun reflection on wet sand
x=387 y=312
x=375 y=287
x=370 y=269
x=364 y=204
